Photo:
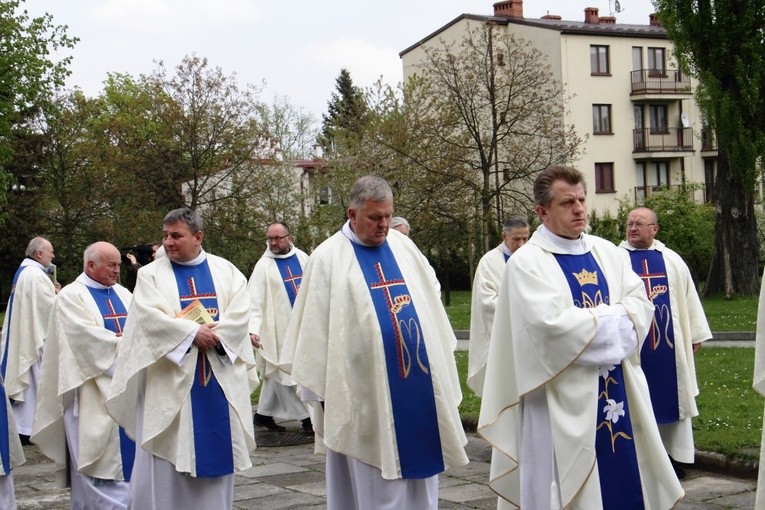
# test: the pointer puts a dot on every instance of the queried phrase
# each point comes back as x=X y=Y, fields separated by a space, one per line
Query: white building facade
x=624 y=91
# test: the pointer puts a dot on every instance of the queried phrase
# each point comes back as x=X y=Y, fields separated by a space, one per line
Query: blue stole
x=657 y=356
x=414 y=406
x=507 y=257
x=209 y=407
x=5 y=442
x=620 y=485
x=114 y=314
x=4 y=364
x=292 y=275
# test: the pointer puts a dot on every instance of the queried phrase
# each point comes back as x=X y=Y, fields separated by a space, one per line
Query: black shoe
x=307 y=426
x=24 y=440
x=268 y=422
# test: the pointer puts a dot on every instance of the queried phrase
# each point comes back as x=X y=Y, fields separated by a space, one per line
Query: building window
x=599 y=62
x=604 y=178
x=601 y=119
x=657 y=62
x=325 y=195
x=658 y=114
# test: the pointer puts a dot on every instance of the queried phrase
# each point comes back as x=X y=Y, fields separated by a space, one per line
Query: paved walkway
x=292 y=477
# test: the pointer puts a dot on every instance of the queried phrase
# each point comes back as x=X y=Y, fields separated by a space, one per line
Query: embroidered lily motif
x=613 y=410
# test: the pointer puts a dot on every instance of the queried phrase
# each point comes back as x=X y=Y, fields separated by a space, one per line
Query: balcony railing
x=665 y=139
x=703 y=193
x=656 y=81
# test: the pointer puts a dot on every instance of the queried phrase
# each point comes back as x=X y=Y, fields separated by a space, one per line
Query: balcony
x=658 y=82
x=700 y=193
x=662 y=140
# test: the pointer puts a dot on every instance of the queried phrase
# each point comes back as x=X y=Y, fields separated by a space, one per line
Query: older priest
x=83 y=334
x=565 y=404
x=370 y=336
x=181 y=387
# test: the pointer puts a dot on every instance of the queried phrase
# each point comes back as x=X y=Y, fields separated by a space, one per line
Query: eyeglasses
x=639 y=225
x=276 y=238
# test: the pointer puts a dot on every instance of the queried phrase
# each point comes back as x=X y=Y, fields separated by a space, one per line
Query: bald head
x=101 y=262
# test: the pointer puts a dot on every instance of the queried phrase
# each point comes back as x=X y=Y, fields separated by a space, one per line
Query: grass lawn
x=739 y=314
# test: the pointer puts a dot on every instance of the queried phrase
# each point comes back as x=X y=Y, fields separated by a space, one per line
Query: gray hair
x=514 y=222
x=36 y=244
x=371 y=188
x=188 y=216
x=399 y=220
x=543 y=193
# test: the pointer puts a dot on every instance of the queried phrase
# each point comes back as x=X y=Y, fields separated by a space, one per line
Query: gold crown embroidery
x=587 y=277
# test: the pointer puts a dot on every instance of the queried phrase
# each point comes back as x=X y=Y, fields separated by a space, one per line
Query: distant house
x=625 y=91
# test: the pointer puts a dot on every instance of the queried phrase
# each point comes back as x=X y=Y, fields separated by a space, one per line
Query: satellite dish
x=684 y=120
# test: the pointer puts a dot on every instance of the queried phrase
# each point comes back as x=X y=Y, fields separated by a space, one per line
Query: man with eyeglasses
x=273 y=286
x=676 y=334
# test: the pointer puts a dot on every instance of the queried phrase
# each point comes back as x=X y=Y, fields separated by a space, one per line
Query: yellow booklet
x=195 y=311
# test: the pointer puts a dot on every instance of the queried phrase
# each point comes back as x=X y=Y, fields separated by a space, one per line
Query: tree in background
x=343 y=125
x=722 y=43
x=494 y=107
x=28 y=77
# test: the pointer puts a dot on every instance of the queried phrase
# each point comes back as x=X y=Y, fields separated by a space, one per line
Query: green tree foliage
x=28 y=75
x=343 y=125
x=723 y=43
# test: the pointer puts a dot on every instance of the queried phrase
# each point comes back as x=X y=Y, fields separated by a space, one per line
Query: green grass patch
x=737 y=314
x=459 y=309
x=730 y=411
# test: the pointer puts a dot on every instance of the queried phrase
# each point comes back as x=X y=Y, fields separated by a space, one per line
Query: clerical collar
x=32 y=262
x=90 y=282
x=571 y=246
x=350 y=234
x=193 y=262
x=504 y=249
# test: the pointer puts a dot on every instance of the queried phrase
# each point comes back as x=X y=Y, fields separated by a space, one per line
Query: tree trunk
x=734 y=267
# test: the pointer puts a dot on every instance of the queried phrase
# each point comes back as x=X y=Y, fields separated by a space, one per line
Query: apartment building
x=624 y=91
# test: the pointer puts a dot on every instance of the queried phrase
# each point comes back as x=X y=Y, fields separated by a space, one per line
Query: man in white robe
x=556 y=364
x=84 y=331
x=11 y=452
x=370 y=336
x=24 y=328
x=273 y=286
x=759 y=387
x=483 y=301
x=689 y=326
x=181 y=385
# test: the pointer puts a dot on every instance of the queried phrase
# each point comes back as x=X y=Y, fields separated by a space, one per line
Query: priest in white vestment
x=759 y=387
x=273 y=286
x=181 y=386
x=24 y=328
x=11 y=452
x=84 y=332
x=565 y=404
x=483 y=301
x=679 y=328
x=370 y=336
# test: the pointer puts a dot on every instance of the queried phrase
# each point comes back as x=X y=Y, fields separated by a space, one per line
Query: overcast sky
x=297 y=47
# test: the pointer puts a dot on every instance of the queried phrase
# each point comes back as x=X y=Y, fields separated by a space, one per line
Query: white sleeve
x=615 y=338
x=178 y=355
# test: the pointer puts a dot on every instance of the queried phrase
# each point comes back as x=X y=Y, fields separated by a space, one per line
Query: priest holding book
x=181 y=388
